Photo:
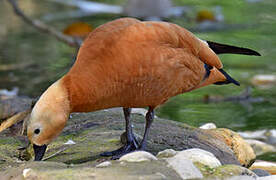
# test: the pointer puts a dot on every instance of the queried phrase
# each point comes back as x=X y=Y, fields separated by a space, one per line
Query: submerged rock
x=138 y=156
x=201 y=156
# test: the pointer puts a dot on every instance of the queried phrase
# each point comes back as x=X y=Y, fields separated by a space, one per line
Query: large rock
x=100 y=131
x=243 y=151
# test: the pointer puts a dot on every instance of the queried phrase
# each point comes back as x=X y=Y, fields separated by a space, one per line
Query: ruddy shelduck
x=128 y=63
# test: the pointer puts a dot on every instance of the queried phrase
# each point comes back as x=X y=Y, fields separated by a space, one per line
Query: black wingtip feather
x=229 y=79
x=223 y=48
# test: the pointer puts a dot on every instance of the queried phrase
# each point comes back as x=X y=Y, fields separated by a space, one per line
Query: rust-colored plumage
x=127 y=63
x=137 y=64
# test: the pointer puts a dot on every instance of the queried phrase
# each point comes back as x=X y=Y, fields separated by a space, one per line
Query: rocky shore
x=175 y=151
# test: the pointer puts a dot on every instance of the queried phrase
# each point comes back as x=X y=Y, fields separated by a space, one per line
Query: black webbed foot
x=127 y=148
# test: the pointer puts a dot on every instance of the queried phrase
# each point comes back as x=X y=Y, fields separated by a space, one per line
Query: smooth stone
x=201 y=156
x=241 y=178
x=260 y=147
x=208 y=126
x=184 y=167
x=138 y=156
x=103 y=164
x=261 y=172
x=167 y=153
x=273 y=177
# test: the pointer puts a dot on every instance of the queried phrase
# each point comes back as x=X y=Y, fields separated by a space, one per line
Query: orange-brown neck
x=86 y=93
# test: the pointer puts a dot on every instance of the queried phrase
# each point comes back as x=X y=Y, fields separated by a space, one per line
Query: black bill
x=39 y=151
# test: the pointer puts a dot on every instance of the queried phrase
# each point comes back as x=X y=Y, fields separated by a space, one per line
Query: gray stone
x=261 y=172
x=138 y=156
x=184 y=167
x=201 y=156
x=166 y=153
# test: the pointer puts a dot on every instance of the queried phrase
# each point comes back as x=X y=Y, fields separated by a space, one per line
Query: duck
x=128 y=63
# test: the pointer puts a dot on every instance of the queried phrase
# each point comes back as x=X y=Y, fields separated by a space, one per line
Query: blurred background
x=31 y=60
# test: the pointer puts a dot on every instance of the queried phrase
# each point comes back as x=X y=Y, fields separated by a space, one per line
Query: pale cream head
x=49 y=115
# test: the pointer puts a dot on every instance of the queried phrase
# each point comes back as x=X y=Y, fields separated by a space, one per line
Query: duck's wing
x=219 y=48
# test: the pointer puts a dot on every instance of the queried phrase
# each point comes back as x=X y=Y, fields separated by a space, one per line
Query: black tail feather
x=229 y=79
x=223 y=48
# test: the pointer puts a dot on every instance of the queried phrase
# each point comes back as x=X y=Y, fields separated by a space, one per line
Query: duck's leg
x=131 y=144
x=149 y=120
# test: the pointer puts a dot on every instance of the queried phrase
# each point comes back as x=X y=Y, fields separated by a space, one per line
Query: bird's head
x=48 y=118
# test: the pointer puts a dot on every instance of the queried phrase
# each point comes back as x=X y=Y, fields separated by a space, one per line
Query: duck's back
x=131 y=63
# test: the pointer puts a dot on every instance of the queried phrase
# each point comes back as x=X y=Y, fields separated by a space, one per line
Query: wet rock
x=184 y=167
x=260 y=147
x=138 y=156
x=208 y=126
x=261 y=172
x=243 y=151
x=166 y=153
x=201 y=156
x=265 y=165
x=104 y=164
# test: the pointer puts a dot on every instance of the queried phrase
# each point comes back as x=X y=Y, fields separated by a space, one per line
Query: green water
x=32 y=61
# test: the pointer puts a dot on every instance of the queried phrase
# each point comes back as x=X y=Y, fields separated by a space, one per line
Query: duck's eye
x=37 y=131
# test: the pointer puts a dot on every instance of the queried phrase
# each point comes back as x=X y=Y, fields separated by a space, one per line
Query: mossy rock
x=100 y=131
